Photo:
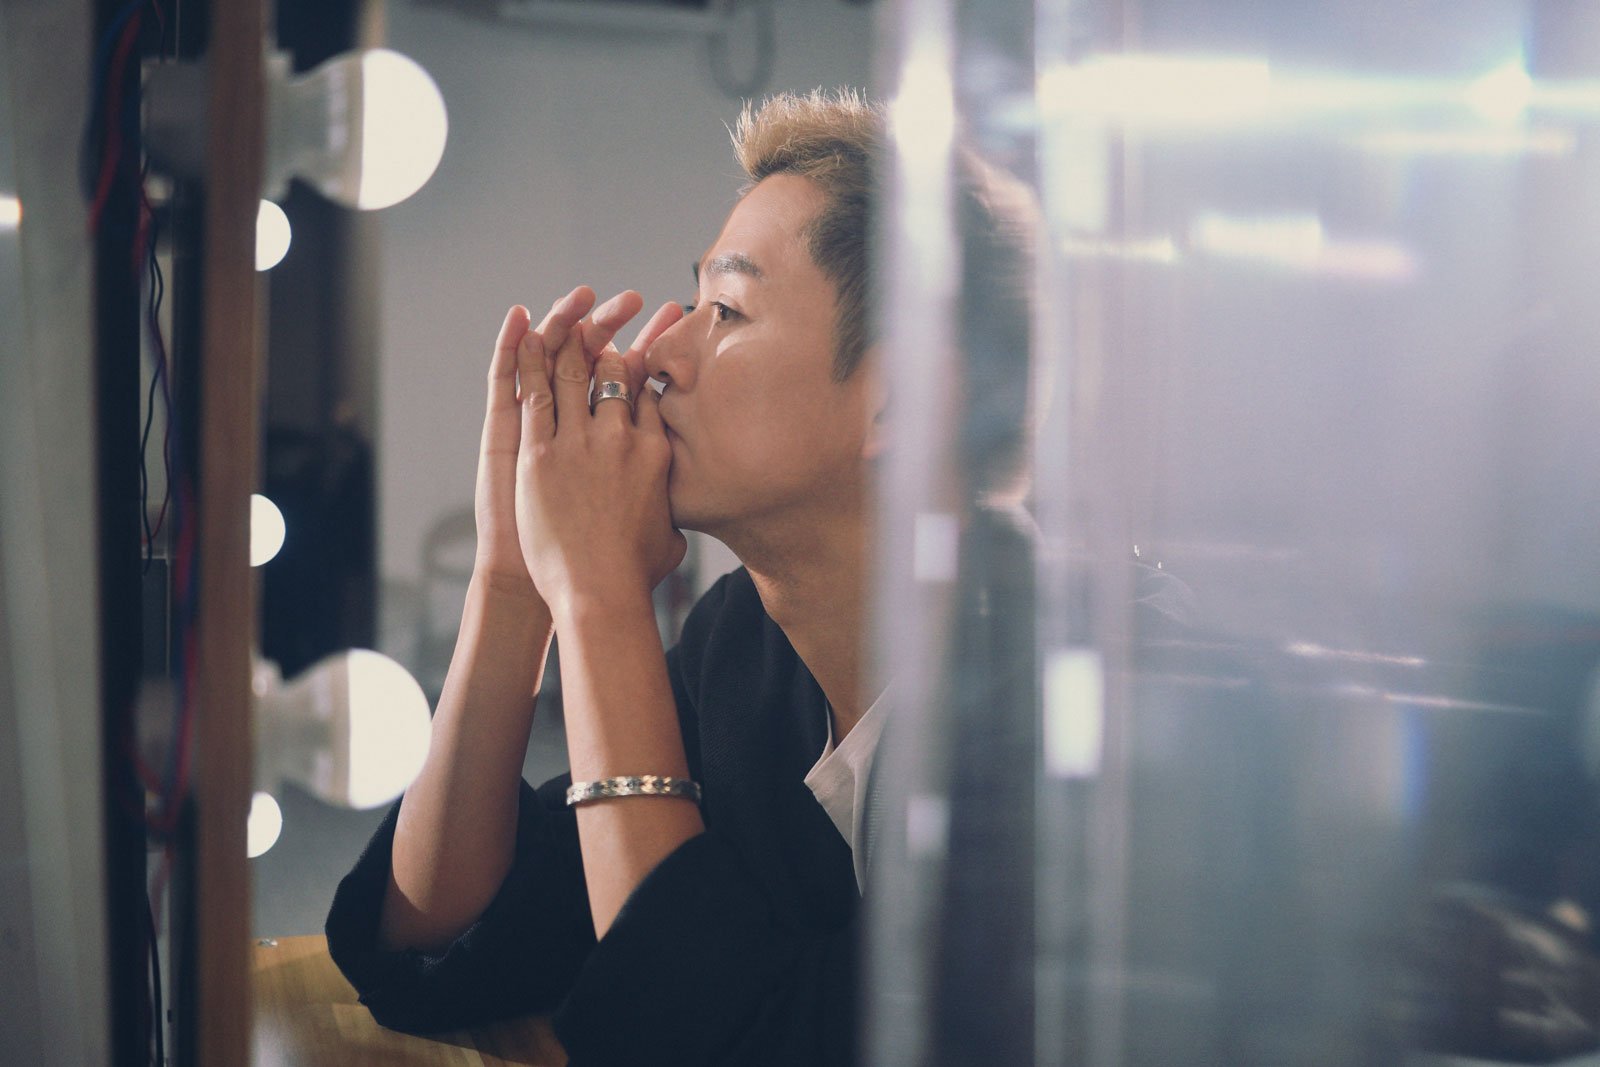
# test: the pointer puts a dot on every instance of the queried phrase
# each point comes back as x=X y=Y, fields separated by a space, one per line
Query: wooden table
x=306 y=1015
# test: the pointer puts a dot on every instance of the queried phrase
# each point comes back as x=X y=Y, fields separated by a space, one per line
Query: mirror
x=581 y=150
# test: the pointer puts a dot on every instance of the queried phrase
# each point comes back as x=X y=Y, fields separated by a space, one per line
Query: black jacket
x=740 y=947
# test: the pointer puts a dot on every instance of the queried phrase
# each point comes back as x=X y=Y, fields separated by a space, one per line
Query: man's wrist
x=603 y=606
x=515 y=593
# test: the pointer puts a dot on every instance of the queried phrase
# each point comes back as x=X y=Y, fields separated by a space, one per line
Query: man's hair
x=836 y=140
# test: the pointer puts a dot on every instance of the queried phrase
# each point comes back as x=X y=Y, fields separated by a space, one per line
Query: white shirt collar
x=839 y=780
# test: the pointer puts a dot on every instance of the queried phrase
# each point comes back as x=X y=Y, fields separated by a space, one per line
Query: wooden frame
x=230 y=369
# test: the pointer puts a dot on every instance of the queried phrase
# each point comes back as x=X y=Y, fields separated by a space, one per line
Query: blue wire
x=102 y=64
x=102 y=54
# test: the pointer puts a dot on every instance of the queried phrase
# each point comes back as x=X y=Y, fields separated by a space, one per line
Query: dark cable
x=159 y=1029
x=149 y=239
x=158 y=376
x=166 y=390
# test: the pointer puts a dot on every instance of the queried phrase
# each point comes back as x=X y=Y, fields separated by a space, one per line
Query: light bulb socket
x=314 y=127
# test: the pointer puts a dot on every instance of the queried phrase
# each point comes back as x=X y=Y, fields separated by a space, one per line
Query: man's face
x=759 y=429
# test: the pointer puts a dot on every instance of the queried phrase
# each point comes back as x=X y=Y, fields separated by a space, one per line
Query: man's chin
x=682 y=515
x=685 y=516
x=687 y=522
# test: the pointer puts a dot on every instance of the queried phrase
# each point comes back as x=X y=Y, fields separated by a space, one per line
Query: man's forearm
x=456 y=835
x=621 y=720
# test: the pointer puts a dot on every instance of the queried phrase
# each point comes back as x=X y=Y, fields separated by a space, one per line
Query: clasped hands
x=571 y=505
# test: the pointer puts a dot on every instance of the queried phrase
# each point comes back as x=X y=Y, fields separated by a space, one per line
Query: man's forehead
x=764 y=235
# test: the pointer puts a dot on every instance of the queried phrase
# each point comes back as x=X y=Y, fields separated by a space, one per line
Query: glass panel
x=1311 y=708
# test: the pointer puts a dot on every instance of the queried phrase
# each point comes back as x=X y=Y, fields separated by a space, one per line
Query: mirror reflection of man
x=690 y=893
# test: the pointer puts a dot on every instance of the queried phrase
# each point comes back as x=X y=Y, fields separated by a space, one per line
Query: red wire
x=164 y=819
x=111 y=117
x=147 y=775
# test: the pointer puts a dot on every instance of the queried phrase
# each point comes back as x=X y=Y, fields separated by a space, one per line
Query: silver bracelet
x=639 y=785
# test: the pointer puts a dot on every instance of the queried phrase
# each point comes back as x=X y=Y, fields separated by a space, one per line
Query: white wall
x=573 y=158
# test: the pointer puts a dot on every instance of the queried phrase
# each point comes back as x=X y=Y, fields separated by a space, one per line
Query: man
x=702 y=933
x=708 y=915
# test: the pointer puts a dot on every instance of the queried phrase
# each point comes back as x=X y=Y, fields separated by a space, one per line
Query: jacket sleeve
x=519 y=957
x=695 y=970
x=699 y=967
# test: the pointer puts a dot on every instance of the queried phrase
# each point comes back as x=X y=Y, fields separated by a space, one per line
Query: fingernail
x=606 y=309
x=568 y=302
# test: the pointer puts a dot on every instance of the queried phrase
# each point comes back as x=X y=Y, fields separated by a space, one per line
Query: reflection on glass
x=1312 y=773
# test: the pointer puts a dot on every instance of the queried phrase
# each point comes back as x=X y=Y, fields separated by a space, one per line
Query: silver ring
x=610 y=391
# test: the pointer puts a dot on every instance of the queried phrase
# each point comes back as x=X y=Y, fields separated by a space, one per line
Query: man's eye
x=723 y=311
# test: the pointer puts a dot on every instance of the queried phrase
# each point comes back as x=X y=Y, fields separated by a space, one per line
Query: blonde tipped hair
x=820 y=135
x=838 y=140
x=834 y=139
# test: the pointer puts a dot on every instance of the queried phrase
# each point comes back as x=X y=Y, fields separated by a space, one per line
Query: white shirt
x=839 y=780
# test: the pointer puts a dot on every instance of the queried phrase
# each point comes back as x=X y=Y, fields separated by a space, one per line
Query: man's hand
x=499 y=556
x=456 y=834
x=591 y=488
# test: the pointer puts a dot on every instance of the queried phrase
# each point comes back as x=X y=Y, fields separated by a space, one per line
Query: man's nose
x=671 y=358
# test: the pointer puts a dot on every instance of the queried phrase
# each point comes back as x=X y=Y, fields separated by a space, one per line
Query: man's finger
x=607 y=319
x=570 y=376
x=538 y=403
x=663 y=320
x=563 y=316
x=503 y=364
x=609 y=369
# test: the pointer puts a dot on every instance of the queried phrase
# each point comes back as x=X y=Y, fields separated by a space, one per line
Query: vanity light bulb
x=389 y=728
x=272 y=235
x=266 y=529
x=403 y=128
x=263 y=826
x=366 y=128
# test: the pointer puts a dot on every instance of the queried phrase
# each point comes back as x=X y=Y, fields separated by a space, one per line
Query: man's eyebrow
x=730 y=263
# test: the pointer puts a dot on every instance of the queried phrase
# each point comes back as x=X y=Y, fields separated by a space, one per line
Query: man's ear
x=875 y=389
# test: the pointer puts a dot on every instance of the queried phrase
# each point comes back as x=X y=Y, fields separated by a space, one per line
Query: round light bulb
x=263 y=826
x=403 y=128
x=272 y=235
x=389 y=728
x=266 y=529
